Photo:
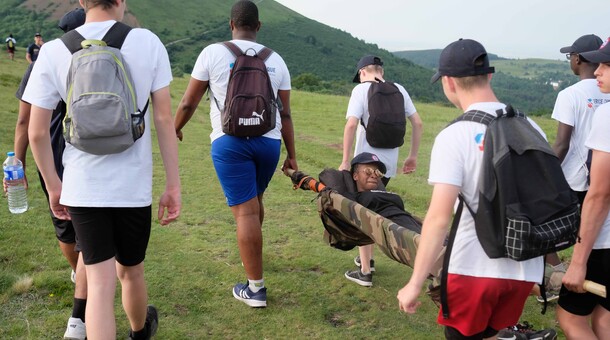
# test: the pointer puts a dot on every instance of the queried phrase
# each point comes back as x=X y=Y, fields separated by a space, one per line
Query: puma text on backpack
x=250 y=105
x=387 y=120
x=526 y=207
x=102 y=115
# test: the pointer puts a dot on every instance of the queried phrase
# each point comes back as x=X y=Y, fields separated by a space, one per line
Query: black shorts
x=104 y=233
x=64 y=231
x=598 y=270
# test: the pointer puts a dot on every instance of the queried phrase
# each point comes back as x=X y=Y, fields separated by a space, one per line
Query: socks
x=78 y=309
x=256 y=285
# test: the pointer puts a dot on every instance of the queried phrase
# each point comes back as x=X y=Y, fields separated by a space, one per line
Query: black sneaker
x=365 y=280
x=357 y=262
x=152 y=323
x=525 y=331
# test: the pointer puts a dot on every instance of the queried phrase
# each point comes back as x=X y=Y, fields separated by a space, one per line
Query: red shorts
x=478 y=303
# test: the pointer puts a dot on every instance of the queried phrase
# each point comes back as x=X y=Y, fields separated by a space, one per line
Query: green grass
x=192 y=264
x=533 y=68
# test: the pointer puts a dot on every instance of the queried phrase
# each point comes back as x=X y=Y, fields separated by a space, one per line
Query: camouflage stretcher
x=348 y=224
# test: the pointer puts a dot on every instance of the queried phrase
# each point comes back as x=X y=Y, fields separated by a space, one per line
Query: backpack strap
x=264 y=53
x=116 y=35
x=72 y=40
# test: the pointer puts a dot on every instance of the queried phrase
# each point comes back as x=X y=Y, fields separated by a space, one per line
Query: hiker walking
x=583 y=315
x=485 y=295
x=64 y=230
x=391 y=106
x=11 y=44
x=573 y=111
x=244 y=162
x=108 y=197
x=31 y=53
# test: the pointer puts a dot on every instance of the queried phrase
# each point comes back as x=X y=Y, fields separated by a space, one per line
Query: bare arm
x=348 y=142
x=40 y=141
x=594 y=212
x=417 y=130
x=562 y=141
x=434 y=231
x=170 y=202
x=287 y=131
x=192 y=96
x=21 y=134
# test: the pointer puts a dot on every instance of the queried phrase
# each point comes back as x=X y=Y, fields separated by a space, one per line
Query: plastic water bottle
x=14 y=176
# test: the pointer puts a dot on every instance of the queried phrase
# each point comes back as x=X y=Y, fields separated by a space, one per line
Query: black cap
x=366 y=158
x=366 y=61
x=37 y=35
x=602 y=55
x=463 y=58
x=586 y=43
x=71 y=20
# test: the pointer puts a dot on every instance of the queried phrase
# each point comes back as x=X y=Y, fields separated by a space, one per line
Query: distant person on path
x=32 y=51
x=64 y=230
x=485 y=295
x=574 y=110
x=11 y=44
x=583 y=315
x=369 y=72
x=109 y=197
x=244 y=165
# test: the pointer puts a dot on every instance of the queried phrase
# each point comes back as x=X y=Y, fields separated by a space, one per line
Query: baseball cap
x=366 y=158
x=463 y=58
x=71 y=20
x=602 y=55
x=37 y=34
x=366 y=61
x=586 y=43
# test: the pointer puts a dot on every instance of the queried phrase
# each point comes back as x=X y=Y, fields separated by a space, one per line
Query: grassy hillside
x=192 y=264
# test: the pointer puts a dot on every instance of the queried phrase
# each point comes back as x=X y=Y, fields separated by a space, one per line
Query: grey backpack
x=102 y=115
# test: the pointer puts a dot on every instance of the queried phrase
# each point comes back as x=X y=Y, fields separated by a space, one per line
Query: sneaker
x=357 y=262
x=550 y=297
x=152 y=322
x=73 y=276
x=242 y=292
x=365 y=280
x=75 y=330
x=526 y=331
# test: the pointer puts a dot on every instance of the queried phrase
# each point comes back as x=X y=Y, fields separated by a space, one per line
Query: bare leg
x=134 y=294
x=101 y=288
x=574 y=326
x=67 y=249
x=366 y=253
x=248 y=217
x=601 y=323
x=80 y=289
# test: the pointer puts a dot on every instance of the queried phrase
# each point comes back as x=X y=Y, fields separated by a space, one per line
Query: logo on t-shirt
x=590 y=103
x=480 y=139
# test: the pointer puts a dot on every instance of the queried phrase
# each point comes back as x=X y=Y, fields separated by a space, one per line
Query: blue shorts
x=244 y=165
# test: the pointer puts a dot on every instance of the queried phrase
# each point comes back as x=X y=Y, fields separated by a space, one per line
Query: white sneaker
x=73 y=276
x=75 y=330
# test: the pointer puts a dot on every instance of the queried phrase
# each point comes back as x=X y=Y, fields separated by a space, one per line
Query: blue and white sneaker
x=242 y=292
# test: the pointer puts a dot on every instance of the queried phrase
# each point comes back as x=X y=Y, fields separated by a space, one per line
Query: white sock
x=256 y=285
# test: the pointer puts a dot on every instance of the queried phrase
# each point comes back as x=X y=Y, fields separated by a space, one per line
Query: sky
x=509 y=28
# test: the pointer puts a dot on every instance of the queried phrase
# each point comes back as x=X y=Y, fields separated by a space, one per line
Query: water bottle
x=14 y=176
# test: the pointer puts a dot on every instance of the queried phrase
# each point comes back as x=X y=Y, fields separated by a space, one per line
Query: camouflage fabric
x=349 y=224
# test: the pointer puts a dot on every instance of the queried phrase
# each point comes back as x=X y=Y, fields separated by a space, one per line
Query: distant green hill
x=320 y=58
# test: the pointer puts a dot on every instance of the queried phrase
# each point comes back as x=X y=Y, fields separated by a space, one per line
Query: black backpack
x=526 y=207
x=250 y=104
x=387 y=120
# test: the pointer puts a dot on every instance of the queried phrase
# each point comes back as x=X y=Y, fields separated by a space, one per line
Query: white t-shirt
x=117 y=180
x=599 y=139
x=358 y=107
x=456 y=159
x=214 y=65
x=574 y=107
